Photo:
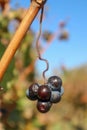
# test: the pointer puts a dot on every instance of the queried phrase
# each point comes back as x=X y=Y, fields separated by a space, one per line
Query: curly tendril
x=37 y=46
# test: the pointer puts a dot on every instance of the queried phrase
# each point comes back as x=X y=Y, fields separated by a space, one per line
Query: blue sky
x=71 y=53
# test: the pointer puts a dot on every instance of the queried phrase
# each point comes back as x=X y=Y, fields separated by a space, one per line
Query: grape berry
x=32 y=91
x=55 y=97
x=43 y=107
x=46 y=94
x=55 y=82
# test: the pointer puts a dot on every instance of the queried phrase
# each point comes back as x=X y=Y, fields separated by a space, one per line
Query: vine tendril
x=37 y=46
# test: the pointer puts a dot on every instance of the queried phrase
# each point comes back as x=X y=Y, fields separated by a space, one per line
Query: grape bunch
x=46 y=94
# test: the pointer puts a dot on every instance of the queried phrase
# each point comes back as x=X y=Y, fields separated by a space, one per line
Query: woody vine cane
x=32 y=12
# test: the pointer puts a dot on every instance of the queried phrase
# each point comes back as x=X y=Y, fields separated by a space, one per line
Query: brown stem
x=15 y=42
x=37 y=47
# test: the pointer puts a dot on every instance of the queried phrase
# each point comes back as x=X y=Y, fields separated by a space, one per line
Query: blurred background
x=64 y=44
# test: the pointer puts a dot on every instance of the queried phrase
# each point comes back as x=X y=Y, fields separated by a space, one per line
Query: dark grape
x=55 y=82
x=44 y=92
x=43 y=107
x=62 y=91
x=55 y=97
x=32 y=91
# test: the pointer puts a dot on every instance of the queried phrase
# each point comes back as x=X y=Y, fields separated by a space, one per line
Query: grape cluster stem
x=37 y=46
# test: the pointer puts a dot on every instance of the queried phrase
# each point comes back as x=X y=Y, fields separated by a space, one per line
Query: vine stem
x=18 y=36
x=37 y=46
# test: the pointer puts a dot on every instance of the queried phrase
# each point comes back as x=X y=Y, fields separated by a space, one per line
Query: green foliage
x=2 y=49
x=9 y=73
